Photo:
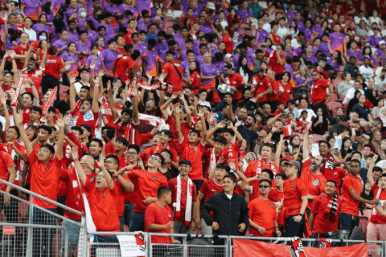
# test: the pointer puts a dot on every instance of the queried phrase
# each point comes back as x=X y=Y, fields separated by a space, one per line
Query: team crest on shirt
x=271 y=205
x=292 y=185
x=88 y=116
x=155 y=178
x=27 y=111
x=315 y=183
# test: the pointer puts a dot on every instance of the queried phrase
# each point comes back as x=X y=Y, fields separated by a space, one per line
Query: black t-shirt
x=362 y=111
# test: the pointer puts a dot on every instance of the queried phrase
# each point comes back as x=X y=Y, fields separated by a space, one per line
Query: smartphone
x=115 y=81
x=320 y=118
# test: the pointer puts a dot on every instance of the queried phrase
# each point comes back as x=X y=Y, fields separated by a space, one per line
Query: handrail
x=40 y=197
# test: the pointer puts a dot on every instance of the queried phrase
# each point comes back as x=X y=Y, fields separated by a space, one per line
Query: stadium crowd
x=220 y=117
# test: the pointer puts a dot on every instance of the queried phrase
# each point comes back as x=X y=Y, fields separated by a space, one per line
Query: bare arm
x=18 y=118
x=304 y=204
x=60 y=143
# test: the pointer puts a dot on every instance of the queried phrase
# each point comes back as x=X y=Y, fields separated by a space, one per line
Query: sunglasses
x=263 y=186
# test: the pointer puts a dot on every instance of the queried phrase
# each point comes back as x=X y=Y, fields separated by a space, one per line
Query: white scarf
x=377 y=197
x=177 y=204
x=212 y=161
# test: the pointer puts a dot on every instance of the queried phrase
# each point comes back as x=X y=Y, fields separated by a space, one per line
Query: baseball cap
x=382 y=42
x=228 y=56
x=263 y=45
x=204 y=104
x=294 y=163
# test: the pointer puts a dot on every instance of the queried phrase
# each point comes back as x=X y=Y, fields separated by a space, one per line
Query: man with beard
x=248 y=131
x=247 y=103
x=311 y=175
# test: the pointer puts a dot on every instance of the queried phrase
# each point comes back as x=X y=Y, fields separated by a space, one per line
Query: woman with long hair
x=243 y=70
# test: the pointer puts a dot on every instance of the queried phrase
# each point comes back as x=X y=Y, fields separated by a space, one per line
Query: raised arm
x=18 y=119
x=134 y=93
x=60 y=143
x=78 y=167
x=6 y=114
x=370 y=172
x=106 y=174
x=188 y=112
x=43 y=64
x=14 y=66
x=72 y=92
x=27 y=57
x=166 y=104
x=6 y=55
x=306 y=151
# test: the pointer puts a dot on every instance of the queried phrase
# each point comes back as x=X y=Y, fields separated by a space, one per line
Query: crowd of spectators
x=221 y=117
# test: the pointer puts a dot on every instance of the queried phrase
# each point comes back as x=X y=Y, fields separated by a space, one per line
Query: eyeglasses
x=109 y=162
x=262 y=186
x=155 y=158
x=44 y=150
x=131 y=153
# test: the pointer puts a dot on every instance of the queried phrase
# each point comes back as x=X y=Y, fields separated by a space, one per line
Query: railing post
x=185 y=247
x=29 y=247
x=148 y=236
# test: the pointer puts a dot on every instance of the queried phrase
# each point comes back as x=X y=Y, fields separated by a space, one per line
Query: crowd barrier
x=28 y=230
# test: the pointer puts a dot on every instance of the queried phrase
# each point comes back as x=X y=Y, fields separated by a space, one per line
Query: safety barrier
x=27 y=229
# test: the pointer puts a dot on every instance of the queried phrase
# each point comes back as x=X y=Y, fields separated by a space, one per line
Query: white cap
x=382 y=42
x=204 y=104
x=228 y=56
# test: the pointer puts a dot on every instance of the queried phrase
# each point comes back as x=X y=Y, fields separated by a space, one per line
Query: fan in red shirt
x=295 y=201
x=277 y=60
x=211 y=156
x=172 y=72
x=88 y=111
x=274 y=95
x=32 y=69
x=285 y=88
x=159 y=218
x=377 y=224
x=146 y=184
x=181 y=188
x=235 y=81
x=319 y=89
x=351 y=191
x=124 y=64
x=331 y=160
x=262 y=213
x=21 y=50
x=210 y=188
x=325 y=211
x=254 y=168
x=264 y=87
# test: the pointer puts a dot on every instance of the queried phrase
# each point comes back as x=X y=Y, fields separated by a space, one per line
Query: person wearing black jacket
x=230 y=210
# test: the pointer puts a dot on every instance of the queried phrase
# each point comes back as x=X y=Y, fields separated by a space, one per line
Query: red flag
x=287 y=131
x=324 y=242
x=297 y=247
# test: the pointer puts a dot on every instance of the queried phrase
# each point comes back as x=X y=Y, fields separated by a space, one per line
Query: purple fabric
x=289 y=69
x=206 y=29
x=161 y=49
x=208 y=70
x=81 y=24
x=114 y=9
x=150 y=58
x=59 y=45
x=374 y=41
x=71 y=11
x=262 y=35
x=108 y=58
x=336 y=39
x=324 y=48
x=244 y=15
x=83 y=48
x=32 y=7
x=357 y=54
x=143 y=5
x=98 y=64
x=318 y=30
x=202 y=4
x=94 y=22
x=109 y=32
x=50 y=16
x=73 y=36
x=291 y=16
x=300 y=25
x=185 y=65
x=39 y=28
x=307 y=33
x=380 y=52
x=200 y=60
x=335 y=66
x=312 y=59
x=67 y=57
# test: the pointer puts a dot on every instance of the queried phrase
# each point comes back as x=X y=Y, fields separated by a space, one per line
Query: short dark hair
x=195 y=131
x=332 y=181
x=134 y=146
x=270 y=173
x=265 y=180
x=355 y=160
x=168 y=152
x=186 y=162
x=113 y=156
x=122 y=140
x=16 y=129
x=100 y=143
x=46 y=128
x=49 y=147
x=223 y=166
x=161 y=158
x=283 y=176
x=168 y=133
x=221 y=140
x=326 y=142
x=37 y=109
x=162 y=190
x=231 y=176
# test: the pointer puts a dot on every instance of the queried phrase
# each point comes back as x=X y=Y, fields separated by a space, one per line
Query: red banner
x=247 y=247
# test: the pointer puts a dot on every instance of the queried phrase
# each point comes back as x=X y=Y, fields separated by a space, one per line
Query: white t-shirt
x=367 y=73
x=79 y=85
x=31 y=34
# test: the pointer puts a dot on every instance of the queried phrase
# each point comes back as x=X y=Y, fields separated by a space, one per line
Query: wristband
x=96 y=85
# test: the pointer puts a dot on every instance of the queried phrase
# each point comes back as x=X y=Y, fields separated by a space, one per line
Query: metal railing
x=30 y=230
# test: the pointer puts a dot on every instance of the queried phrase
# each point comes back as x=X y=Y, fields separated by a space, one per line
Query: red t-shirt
x=184 y=190
x=236 y=80
x=375 y=216
x=144 y=155
x=254 y=168
x=14 y=156
x=276 y=196
x=74 y=198
x=285 y=90
x=36 y=76
x=53 y=65
x=103 y=208
x=173 y=76
x=122 y=66
x=263 y=213
x=275 y=64
x=44 y=179
x=19 y=50
x=231 y=153
x=89 y=118
x=5 y=163
x=263 y=84
x=349 y=205
x=274 y=95
x=323 y=221
x=315 y=183
x=293 y=192
x=119 y=198
x=210 y=188
x=146 y=185
x=206 y=161
x=194 y=155
x=161 y=216
x=319 y=92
